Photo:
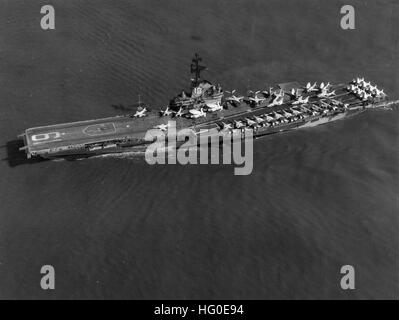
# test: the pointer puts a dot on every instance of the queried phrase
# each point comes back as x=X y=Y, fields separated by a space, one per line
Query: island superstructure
x=206 y=107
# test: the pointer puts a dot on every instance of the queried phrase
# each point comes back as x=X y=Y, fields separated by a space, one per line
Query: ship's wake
x=121 y=155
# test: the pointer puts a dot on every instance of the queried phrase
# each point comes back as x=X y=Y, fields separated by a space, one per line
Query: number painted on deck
x=45 y=136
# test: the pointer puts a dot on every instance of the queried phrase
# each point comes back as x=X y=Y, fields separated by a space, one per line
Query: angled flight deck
x=58 y=137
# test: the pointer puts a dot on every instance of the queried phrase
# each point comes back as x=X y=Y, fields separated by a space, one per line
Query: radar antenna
x=196 y=68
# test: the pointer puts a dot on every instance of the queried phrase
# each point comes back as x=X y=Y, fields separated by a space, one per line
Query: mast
x=196 y=68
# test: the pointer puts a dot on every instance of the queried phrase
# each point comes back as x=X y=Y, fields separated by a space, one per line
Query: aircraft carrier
x=206 y=107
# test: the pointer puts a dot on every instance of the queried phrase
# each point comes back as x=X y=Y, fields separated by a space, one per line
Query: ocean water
x=116 y=227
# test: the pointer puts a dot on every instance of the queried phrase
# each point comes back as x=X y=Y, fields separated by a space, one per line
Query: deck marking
x=43 y=142
x=45 y=136
x=100 y=129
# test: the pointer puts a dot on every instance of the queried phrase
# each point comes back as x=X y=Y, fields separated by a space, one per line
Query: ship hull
x=141 y=144
x=127 y=133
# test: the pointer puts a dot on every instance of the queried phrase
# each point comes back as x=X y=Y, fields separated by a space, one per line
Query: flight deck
x=289 y=107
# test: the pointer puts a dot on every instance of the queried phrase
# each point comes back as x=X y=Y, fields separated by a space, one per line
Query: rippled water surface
x=115 y=227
